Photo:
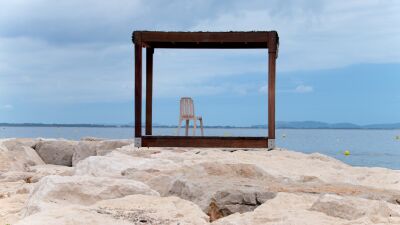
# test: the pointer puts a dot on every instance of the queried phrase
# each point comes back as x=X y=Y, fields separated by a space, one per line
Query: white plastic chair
x=187 y=114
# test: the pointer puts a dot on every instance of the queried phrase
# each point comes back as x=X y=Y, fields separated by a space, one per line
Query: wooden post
x=149 y=90
x=138 y=90
x=272 y=48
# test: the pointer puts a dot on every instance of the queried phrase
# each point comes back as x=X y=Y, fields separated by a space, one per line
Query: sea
x=367 y=147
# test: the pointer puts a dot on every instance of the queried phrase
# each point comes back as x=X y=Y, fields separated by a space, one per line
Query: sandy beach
x=96 y=181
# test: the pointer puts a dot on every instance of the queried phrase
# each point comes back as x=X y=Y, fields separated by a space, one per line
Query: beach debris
x=283 y=135
x=346 y=153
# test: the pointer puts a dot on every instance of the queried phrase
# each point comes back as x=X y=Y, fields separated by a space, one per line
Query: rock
x=92 y=139
x=17 y=157
x=116 y=164
x=130 y=210
x=13 y=176
x=56 y=190
x=233 y=187
x=40 y=171
x=56 y=152
x=15 y=142
x=34 y=173
x=13 y=196
x=11 y=207
x=351 y=208
x=285 y=208
x=8 y=189
x=85 y=149
x=228 y=202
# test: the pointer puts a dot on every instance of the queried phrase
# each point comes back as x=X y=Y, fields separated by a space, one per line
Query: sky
x=72 y=61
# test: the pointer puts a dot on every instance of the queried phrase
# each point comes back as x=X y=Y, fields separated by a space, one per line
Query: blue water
x=367 y=147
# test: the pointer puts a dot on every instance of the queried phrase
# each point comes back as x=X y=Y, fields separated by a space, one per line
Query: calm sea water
x=378 y=148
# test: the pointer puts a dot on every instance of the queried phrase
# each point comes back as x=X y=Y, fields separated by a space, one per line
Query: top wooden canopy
x=232 y=39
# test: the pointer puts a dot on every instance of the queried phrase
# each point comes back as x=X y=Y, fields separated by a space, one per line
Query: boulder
x=115 y=164
x=56 y=152
x=15 y=142
x=17 y=157
x=53 y=191
x=351 y=208
x=85 y=149
x=129 y=210
x=283 y=209
x=40 y=171
x=11 y=207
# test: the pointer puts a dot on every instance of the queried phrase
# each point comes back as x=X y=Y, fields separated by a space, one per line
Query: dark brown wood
x=158 y=39
x=271 y=84
x=149 y=90
x=138 y=90
x=218 y=45
x=204 y=142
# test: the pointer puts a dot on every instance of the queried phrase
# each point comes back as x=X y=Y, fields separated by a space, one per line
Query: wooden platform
x=204 y=142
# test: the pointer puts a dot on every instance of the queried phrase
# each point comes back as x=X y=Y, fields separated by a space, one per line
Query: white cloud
x=263 y=89
x=322 y=34
x=8 y=107
x=299 y=89
x=80 y=51
x=303 y=89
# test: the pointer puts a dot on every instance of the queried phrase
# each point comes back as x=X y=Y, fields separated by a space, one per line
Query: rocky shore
x=95 y=181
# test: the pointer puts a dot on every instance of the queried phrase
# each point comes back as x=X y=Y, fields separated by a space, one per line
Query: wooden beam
x=272 y=48
x=212 y=45
x=204 y=142
x=138 y=90
x=149 y=90
x=197 y=37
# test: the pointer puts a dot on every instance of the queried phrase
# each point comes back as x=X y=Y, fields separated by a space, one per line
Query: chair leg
x=179 y=126
x=187 y=128
x=194 y=126
x=201 y=127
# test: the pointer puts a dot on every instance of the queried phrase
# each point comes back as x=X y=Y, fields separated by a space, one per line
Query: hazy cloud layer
x=81 y=51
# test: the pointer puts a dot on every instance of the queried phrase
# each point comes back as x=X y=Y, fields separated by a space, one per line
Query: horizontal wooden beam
x=204 y=141
x=234 y=39
x=209 y=45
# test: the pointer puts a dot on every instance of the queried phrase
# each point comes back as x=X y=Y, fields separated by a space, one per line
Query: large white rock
x=115 y=163
x=53 y=191
x=351 y=208
x=303 y=208
x=17 y=157
x=13 y=196
x=130 y=210
x=85 y=149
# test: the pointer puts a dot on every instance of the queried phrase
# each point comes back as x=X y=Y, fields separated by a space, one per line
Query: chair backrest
x=187 y=108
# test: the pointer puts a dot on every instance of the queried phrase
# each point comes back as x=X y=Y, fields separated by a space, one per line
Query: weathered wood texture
x=272 y=54
x=157 y=39
x=138 y=90
x=204 y=142
x=149 y=90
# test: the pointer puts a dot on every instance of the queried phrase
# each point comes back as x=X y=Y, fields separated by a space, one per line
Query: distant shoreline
x=280 y=125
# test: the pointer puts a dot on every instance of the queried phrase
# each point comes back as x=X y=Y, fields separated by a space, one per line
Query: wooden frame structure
x=196 y=40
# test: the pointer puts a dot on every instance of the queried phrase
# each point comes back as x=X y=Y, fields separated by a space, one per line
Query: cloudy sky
x=72 y=61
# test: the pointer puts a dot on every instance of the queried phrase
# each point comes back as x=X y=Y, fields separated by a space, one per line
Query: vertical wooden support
x=272 y=48
x=138 y=90
x=149 y=90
